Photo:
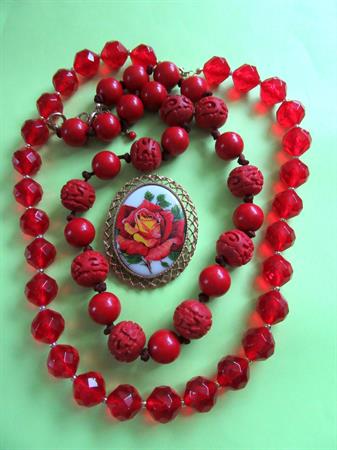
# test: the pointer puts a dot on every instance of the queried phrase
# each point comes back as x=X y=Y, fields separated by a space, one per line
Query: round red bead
x=48 y=104
x=235 y=247
x=86 y=63
x=26 y=161
x=40 y=253
x=65 y=82
x=258 y=344
x=74 y=132
x=47 y=326
x=194 y=88
x=35 y=132
x=41 y=289
x=164 y=346
x=200 y=394
x=63 y=361
x=229 y=145
x=273 y=90
x=27 y=192
x=135 y=77
x=77 y=195
x=245 y=78
x=106 y=165
x=233 y=372
x=294 y=173
x=126 y=341
x=177 y=110
x=110 y=90
x=124 y=402
x=104 y=308
x=192 y=319
x=130 y=108
x=89 y=389
x=167 y=73
x=296 y=141
x=143 y=55
x=280 y=235
x=89 y=268
x=248 y=217
x=287 y=204
x=34 y=222
x=210 y=112
x=277 y=270
x=114 y=54
x=245 y=180
x=153 y=94
x=146 y=154
x=290 y=113
x=272 y=307
x=106 y=126
x=175 y=140
x=214 y=280
x=216 y=70
x=163 y=404
x=79 y=232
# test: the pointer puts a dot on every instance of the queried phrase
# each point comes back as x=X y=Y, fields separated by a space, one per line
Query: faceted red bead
x=290 y=113
x=41 y=289
x=135 y=77
x=277 y=270
x=63 y=361
x=280 y=235
x=104 y=308
x=79 y=232
x=114 y=54
x=194 y=88
x=110 y=90
x=65 y=82
x=200 y=394
x=130 y=108
x=233 y=372
x=26 y=161
x=167 y=73
x=40 y=253
x=296 y=141
x=229 y=145
x=245 y=78
x=106 y=126
x=272 y=307
x=287 y=204
x=89 y=389
x=248 y=217
x=35 y=132
x=273 y=90
x=216 y=70
x=175 y=140
x=124 y=402
x=153 y=94
x=258 y=344
x=106 y=165
x=27 y=192
x=214 y=280
x=34 y=221
x=48 y=104
x=164 y=346
x=86 y=63
x=74 y=132
x=143 y=55
x=47 y=326
x=294 y=173
x=163 y=404
x=192 y=319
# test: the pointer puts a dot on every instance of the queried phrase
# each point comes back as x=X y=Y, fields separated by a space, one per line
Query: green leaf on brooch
x=162 y=202
x=173 y=256
x=165 y=264
x=132 y=259
x=176 y=211
x=149 y=196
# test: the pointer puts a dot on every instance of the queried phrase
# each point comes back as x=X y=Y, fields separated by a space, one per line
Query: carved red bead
x=163 y=404
x=245 y=78
x=110 y=90
x=287 y=204
x=104 y=308
x=41 y=289
x=34 y=222
x=229 y=145
x=135 y=77
x=79 y=232
x=27 y=192
x=235 y=247
x=47 y=326
x=200 y=394
x=248 y=217
x=296 y=141
x=78 y=195
x=63 y=361
x=126 y=341
x=245 y=180
x=86 y=63
x=106 y=126
x=277 y=270
x=146 y=154
x=258 y=344
x=192 y=319
x=89 y=389
x=130 y=108
x=124 y=402
x=65 y=82
x=290 y=113
x=294 y=173
x=35 y=132
x=153 y=94
x=74 y=132
x=280 y=235
x=194 y=88
x=273 y=90
x=175 y=140
x=216 y=70
x=272 y=307
x=210 y=112
x=114 y=54
x=177 y=110
x=49 y=103
x=40 y=253
x=89 y=268
x=233 y=372
x=164 y=346
x=167 y=73
x=26 y=161
x=143 y=55
x=214 y=280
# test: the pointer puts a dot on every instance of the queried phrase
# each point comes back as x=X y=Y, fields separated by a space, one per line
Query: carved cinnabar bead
x=235 y=247
x=146 y=154
x=192 y=319
x=245 y=180
x=89 y=268
x=77 y=195
x=177 y=110
x=210 y=112
x=126 y=341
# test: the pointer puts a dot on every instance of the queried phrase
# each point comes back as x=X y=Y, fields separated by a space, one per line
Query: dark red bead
x=47 y=326
x=89 y=268
x=216 y=70
x=77 y=195
x=245 y=180
x=280 y=235
x=124 y=402
x=86 y=63
x=130 y=108
x=233 y=372
x=235 y=247
x=272 y=307
x=35 y=132
x=175 y=140
x=110 y=90
x=287 y=204
x=79 y=232
x=89 y=389
x=34 y=222
x=294 y=173
x=146 y=154
x=258 y=344
x=290 y=113
x=106 y=126
x=27 y=192
x=245 y=78
x=41 y=289
x=214 y=280
x=153 y=94
x=26 y=161
x=248 y=217
x=143 y=55
x=104 y=308
x=296 y=141
x=65 y=82
x=194 y=88
x=192 y=319
x=106 y=165
x=126 y=341
x=164 y=346
x=176 y=110
x=74 y=132
x=229 y=145
x=135 y=77
x=48 y=104
x=114 y=54
x=63 y=361
x=40 y=253
x=273 y=90
x=200 y=394
x=277 y=270
x=163 y=404
x=210 y=112
x=167 y=73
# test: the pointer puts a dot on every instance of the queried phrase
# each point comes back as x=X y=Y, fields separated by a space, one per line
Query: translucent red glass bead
x=86 y=63
x=143 y=55
x=27 y=192
x=272 y=307
x=124 y=402
x=63 y=361
x=216 y=70
x=47 y=326
x=273 y=90
x=294 y=173
x=200 y=394
x=296 y=141
x=233 y=372
x=89 y=389
x=49 y=103
x=40 y=253
x=277 y=270
x=35 y=132
x=65 y=82
x=163 y=404
x=41 y=289
x=245 y=78
x=114 y=54
x=258 y=344
x=290 y=113
x=26 y=161
x=34 y=222
x=287 y=204
x=280 y=235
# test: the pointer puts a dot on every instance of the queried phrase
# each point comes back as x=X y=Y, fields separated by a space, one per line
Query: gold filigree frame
x=191 y=233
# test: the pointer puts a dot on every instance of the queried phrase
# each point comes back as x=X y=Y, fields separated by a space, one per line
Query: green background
x=290 y=401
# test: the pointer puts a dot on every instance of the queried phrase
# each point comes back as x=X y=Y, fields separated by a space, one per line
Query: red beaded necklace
x=192 y=318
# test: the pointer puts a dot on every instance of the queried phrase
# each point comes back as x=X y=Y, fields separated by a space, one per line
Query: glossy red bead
x=229 y=145
x=47 y=326
x=167 y=73
x=164 y=346
x=106 y=165
x=280 y=235
x=114 y=54
x=40 y=253
x=153 y=94
x=48 y=104
x=290 y=113
x=214 y=280
x=26 y=161
x=74 y=132
x=106 y=126
x=124 y=402
x=272 y=307
x=34 y=222
x=294 y=173
x=192 y=319
x=277 y=270
x=194 y=88
x=216 y=70
x=63 y=361
x=79 y=232
x=110 y=90
x=200 y=394
x=86 y=63
x=287 y=204
x=163 y=404
x=143 y=55
x=130 y=108
x=35 y=132
x=89 y=389
x=41 y=289
x=65 y=82
x=135 y=77
x=233 y=372
x=245 y=78
x=27 y=192
x=273 y=90
x=175 y=140
x=296 y=141
x=104 y=308
x=248 y=217
x=258 y=344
